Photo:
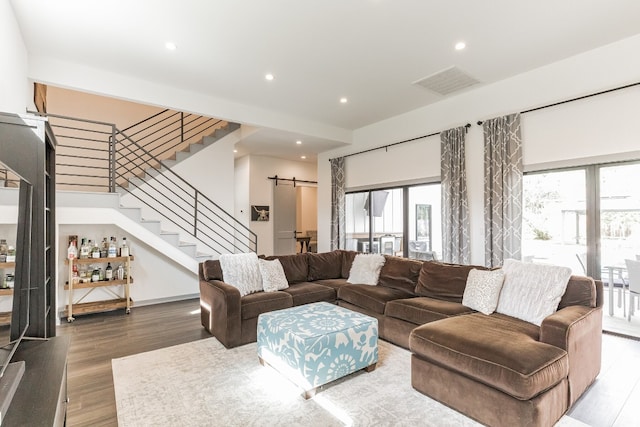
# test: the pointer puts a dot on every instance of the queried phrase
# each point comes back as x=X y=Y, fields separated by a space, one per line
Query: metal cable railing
x=97 y=156
x=177 y=200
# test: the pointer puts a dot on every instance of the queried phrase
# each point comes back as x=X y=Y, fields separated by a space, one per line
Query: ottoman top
x=314 y=320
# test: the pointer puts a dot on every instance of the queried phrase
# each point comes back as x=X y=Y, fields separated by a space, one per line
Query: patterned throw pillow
x=365 y=269
x=532 y=291
x=242 y=272
x=483 y=290
x=273 y=278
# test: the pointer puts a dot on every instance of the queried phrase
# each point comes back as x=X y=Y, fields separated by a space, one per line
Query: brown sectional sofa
x=496 y=369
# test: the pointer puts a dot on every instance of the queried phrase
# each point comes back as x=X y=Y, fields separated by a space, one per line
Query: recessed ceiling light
x=269 y=76
x=460 y=45
x=343 y=100
x=235 y=151
x=298 y=142
x=303 y=157
x=170 y=46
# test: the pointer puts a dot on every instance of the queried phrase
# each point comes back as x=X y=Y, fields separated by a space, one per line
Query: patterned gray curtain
x=502 y=189
x=338 y=222
x=455 y=206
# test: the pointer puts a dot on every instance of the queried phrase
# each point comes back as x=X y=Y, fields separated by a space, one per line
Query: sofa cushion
x=253 y=305
x=273 y=277
x=532 y=291
x=296 y=267
x=365 y=269
x=332 y=283
x=242 y=272
x=347 y=261
x=211 y=270
x=372 y=298
x=421 y=310
x=400 y=273
x=482 y=291
x=581 y=290
x=305 y=293
x=444 y=281
x=497 y=350
x=327 y=265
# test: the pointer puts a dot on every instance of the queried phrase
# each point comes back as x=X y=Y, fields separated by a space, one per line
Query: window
x=591 y=210
x=397 y=221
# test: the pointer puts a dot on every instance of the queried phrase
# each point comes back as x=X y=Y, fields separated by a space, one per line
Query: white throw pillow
x=482 y=290
x=365 y=269
x=242 y=272
x=531 y=291
x=273 y=277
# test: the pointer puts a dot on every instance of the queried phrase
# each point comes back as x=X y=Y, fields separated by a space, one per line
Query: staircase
x=137 y=164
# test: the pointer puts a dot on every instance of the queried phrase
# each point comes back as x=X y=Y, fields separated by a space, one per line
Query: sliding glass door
x=554 y=227
x=400 y=221
x=619 y=214
x=586 y=218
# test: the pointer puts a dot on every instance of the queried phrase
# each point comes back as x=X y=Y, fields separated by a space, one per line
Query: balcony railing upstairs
x=97 y=156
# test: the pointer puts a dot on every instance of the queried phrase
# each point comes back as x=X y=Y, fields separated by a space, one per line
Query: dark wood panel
x=40 y=397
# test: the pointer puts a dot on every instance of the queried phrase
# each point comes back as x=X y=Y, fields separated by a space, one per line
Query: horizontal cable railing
x=177 y=200
x=96 y=156
x=83 y=153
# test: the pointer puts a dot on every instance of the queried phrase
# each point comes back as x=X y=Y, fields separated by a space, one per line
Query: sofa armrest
x=578 y=330
x=220 y=311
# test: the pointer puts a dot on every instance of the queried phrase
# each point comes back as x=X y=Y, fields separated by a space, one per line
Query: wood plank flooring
x=98 y=338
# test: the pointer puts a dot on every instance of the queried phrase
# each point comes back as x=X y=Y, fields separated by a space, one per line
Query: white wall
x=15 y=89
x=242 y=188
x=592 y=129
x=261 y=190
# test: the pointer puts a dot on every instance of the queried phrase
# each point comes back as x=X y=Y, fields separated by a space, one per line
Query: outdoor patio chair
x=633 y=270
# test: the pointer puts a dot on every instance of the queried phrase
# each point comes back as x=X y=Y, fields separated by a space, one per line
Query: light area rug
x=204 y=384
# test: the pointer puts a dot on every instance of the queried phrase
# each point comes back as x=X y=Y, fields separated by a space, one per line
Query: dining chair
x=633 y=271
x=619 y=281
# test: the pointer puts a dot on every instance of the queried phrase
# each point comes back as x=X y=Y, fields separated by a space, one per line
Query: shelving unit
x=5 y=317
x=118 y=302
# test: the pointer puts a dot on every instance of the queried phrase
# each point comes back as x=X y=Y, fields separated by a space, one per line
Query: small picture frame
x=259 y=213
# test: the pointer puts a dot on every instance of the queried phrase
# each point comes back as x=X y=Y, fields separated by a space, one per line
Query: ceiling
x=369 y=51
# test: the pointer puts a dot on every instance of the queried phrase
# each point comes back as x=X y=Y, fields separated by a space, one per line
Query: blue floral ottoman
x=317 y=343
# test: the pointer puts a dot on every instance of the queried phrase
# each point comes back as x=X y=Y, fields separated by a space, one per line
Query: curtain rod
x=294 y=180
x=566 y=101
x=385 y=147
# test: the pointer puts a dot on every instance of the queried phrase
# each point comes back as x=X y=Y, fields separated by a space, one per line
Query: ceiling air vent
x=447 y=81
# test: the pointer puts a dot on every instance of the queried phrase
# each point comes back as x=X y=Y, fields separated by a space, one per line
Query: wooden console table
x=41 y=397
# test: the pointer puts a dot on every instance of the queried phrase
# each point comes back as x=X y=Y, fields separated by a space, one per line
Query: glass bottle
x=104 y=248
x=84 y=249
x=72 y=251
x=3 y=250
x=124 y=249
x=95 y=275
x=113 y=248
x=108 y=272
x=95 y=251
x=11 y=254
x=75 y=274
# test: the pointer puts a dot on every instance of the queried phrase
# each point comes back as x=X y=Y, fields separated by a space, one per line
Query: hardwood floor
x=96 y=339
